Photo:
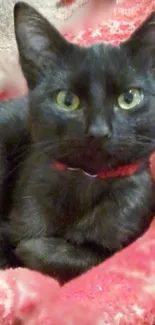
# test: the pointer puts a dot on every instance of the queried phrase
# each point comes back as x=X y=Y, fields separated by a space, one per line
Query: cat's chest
x=70 y=202
x=68 y=192
x=77 y=192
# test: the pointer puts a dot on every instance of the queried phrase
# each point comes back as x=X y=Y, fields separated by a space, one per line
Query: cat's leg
x=4 y=261
x=121 y=217
x=56 y=257
x=3 y=167
x=4 y=256
x=7 y=257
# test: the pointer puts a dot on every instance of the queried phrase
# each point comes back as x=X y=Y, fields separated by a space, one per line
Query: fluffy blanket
x=120 y=291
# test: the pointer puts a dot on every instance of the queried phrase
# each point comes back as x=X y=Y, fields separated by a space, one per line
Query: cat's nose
x=99 y=129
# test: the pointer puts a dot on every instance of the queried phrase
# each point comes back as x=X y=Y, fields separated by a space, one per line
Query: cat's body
x=63 y=222
x=66 y=243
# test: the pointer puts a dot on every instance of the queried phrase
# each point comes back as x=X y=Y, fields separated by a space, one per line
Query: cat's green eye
x=130 y=99
x=67 y=100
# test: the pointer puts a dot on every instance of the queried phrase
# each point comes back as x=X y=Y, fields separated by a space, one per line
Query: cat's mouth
x=89 y=162
x=96 y=165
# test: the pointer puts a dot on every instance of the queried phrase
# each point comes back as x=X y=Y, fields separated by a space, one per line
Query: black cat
x=89 y=110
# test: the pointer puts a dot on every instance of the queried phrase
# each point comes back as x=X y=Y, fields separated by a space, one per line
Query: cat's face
x=94 y=107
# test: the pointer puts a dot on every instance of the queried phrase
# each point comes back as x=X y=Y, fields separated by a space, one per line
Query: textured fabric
x=124 y=19
x=58 y=16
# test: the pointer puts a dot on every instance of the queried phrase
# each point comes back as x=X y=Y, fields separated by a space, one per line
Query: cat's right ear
x=37 y=42
x=141 y=44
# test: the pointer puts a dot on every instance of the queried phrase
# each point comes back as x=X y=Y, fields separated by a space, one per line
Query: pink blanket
x=121 y=291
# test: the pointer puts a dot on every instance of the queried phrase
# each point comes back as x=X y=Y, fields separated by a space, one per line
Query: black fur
x=64 y=222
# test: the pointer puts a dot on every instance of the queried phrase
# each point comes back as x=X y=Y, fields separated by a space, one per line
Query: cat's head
x=91 y=107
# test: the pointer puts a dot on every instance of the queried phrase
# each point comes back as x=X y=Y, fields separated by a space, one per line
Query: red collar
x=122 y=171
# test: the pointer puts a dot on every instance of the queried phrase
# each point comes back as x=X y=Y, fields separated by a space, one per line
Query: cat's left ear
x=38 y=41
x=142 y=41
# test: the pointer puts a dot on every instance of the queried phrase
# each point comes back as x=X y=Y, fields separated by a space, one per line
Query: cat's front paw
x=28 y=252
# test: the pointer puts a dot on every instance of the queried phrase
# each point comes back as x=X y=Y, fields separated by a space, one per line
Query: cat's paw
x=28 y=252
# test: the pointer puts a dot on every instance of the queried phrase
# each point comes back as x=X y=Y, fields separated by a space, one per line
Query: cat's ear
x=142 y=41
x=37 y=40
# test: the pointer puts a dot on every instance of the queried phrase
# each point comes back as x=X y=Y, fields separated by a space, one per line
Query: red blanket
x=121 y=291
